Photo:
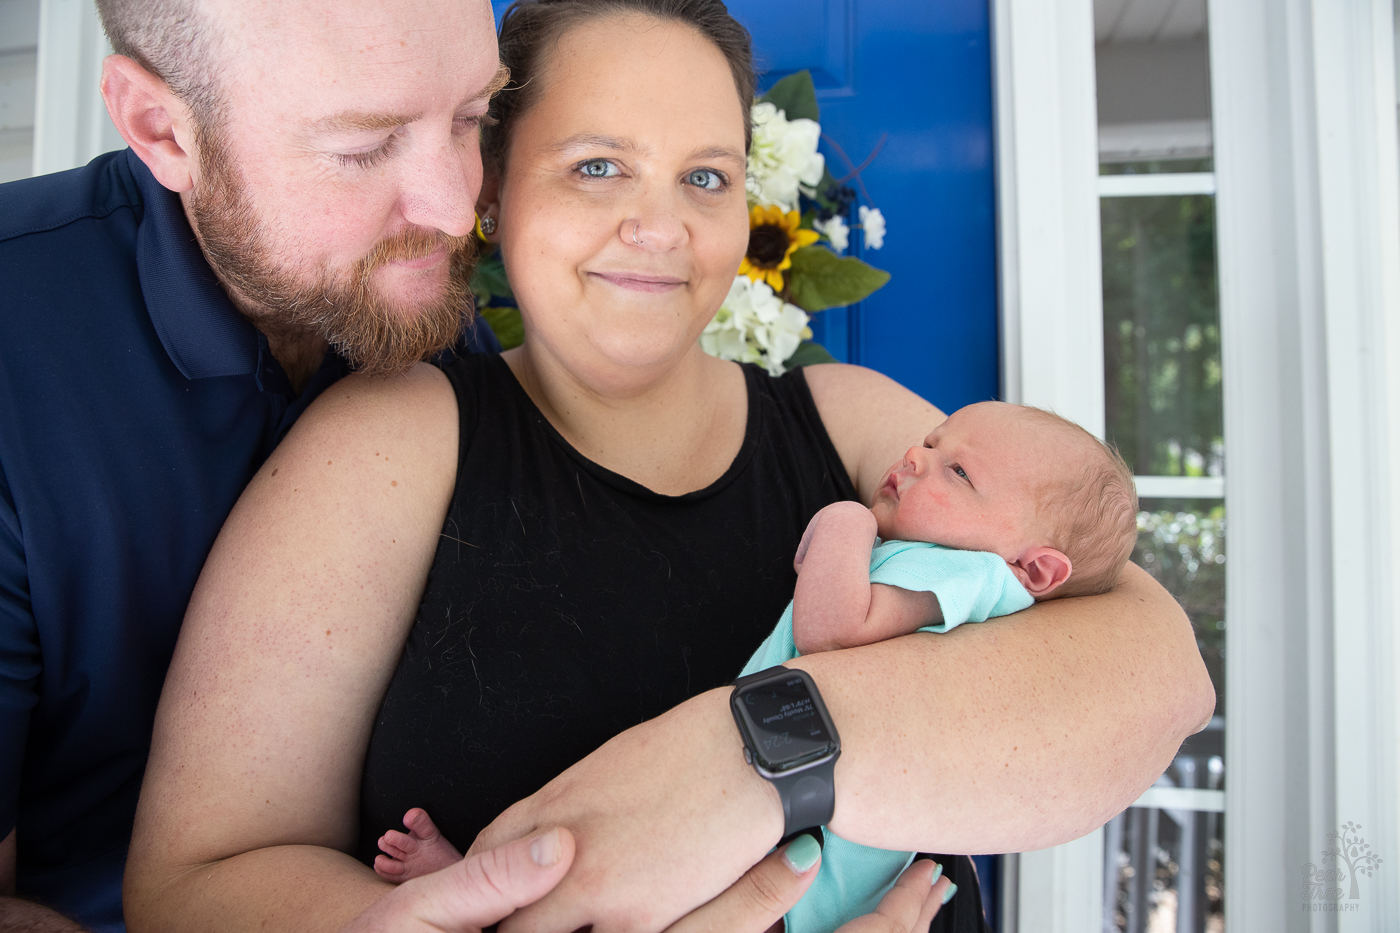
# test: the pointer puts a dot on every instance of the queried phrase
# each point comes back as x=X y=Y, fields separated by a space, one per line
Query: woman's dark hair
x=530 y=27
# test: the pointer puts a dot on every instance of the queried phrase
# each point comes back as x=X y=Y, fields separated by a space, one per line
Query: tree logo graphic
x=1346 y=846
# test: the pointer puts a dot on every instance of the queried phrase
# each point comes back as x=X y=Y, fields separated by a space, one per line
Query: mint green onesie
x=971 y=586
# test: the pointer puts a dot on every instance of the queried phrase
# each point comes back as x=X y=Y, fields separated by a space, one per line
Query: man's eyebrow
x=352 y=120
x=499 y=80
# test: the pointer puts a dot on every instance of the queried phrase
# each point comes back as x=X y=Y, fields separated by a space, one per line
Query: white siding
x=19 y=49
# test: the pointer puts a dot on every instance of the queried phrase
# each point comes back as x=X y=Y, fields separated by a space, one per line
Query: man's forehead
x=329 y=40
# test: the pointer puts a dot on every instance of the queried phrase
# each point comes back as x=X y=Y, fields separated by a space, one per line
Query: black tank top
x=567 y=603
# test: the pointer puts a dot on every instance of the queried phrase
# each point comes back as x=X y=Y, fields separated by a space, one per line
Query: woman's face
x=622 y=213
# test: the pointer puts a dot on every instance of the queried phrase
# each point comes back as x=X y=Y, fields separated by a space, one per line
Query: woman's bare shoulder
x=413 y=404
x=871 y=418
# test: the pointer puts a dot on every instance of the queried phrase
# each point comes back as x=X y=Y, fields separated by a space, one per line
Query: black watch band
x=808 y=792
x=809 y=797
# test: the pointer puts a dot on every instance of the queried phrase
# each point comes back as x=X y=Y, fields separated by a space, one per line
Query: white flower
x=836 y=231
x=873 y=222
x=754 y=325
x=783 y=159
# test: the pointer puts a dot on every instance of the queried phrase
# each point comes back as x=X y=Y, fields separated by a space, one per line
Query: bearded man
x=297 y=201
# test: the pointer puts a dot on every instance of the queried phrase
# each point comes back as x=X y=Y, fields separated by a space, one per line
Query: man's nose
x=439 y=188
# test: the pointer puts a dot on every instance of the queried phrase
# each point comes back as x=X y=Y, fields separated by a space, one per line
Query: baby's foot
x=420 y=851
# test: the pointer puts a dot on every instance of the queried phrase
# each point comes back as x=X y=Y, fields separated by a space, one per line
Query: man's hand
x=16 y=914
x=475 y=892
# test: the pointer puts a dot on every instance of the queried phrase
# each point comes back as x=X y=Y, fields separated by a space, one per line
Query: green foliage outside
x=1182 y=544
x=1162 y=334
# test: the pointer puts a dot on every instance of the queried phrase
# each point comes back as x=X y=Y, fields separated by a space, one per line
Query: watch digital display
x=786 y=729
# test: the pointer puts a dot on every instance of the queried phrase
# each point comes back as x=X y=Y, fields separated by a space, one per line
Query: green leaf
x=796 y=97
x=490 y=277
x=808 y=353
x=506 y=325
x=820 y=279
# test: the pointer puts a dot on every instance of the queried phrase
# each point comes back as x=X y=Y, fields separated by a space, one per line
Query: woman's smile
x=640 y=282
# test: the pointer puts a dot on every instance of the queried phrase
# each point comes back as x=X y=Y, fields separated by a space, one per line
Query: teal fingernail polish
x=948 y=894
x=802 y=853
x=937 y=873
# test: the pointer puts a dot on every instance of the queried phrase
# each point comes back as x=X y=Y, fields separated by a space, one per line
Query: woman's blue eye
x=599 y=168
x=707 y=179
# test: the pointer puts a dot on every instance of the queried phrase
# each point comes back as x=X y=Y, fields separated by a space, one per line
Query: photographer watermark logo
x=1327 y=889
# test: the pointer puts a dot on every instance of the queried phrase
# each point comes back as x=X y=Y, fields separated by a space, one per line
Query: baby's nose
x=914 y=458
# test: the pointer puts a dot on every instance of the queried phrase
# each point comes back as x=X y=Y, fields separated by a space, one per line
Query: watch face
x=783 y=722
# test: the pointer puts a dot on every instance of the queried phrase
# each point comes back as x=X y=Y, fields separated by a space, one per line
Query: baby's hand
x=842 y=512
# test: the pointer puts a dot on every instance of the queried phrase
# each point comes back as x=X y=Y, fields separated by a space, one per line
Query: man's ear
x=1042 y=570
x=154 y=122
x=488 y=202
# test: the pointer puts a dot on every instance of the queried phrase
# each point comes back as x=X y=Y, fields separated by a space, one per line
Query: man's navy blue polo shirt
x=135 y=404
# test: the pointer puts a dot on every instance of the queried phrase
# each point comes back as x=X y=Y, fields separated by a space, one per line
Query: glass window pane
x=1165 y=871
x=1157 y=166
x=1162 y=334
x=1181 y=542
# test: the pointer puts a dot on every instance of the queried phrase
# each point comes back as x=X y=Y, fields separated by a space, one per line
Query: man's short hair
x=175 y=40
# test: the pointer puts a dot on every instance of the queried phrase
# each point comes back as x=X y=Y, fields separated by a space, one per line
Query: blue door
x=912 y=77
x=917 y=75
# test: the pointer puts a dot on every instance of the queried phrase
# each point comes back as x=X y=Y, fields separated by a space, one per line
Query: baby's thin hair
x=1092 y=515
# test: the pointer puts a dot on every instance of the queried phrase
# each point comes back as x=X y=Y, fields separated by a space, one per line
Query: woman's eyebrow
x=719 y=152
x=594 y=141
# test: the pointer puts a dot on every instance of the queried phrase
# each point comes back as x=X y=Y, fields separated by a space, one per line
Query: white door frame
x=1051 y=288
x=1308 y=208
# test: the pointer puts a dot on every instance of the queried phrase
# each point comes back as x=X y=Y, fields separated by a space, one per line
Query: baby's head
x=1057 y=504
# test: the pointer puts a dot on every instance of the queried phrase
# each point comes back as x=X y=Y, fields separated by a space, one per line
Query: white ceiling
x=1148 y=20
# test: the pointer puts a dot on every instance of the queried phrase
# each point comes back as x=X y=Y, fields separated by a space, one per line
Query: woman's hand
x=756 y=902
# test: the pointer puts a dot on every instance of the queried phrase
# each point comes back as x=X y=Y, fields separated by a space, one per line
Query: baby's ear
x=1042 y=570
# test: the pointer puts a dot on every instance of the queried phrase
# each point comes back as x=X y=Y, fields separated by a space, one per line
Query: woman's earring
x=488 y=225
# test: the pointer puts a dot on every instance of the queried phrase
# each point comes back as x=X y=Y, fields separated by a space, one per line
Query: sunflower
x=773 y=237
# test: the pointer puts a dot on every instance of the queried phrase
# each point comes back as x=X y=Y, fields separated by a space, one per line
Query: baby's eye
x=707 y=178
x=959 y=470
x=599 y=168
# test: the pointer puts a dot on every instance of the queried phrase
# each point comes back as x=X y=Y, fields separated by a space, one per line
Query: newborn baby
x=1001 y=506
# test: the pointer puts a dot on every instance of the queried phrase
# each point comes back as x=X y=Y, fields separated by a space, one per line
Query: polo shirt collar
x=198 y=325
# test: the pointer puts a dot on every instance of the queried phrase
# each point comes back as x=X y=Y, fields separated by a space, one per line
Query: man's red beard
x=378 y=335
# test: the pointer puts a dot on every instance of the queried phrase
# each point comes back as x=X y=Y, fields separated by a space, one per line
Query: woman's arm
x=1064 y=712
x=250 y=798
x=992 y=738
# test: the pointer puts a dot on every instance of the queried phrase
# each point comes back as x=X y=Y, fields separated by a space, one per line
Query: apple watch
x=791 y=741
